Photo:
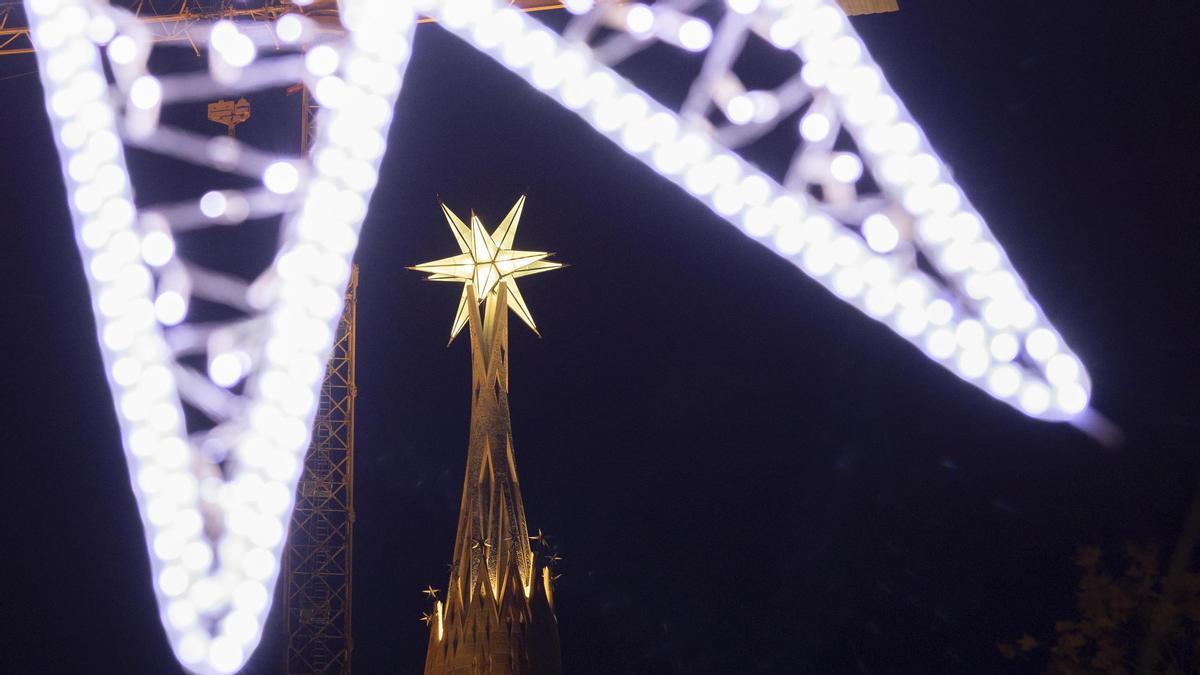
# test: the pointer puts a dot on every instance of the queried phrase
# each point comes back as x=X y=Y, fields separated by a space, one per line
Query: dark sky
x=742 y=473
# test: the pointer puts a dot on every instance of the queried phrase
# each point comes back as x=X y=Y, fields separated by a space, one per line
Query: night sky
x=741 y=473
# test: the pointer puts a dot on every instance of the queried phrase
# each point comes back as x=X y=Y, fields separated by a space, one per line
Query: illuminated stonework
x=498 y=614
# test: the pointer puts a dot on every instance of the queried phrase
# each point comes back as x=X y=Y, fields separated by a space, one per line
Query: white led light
x=740 y=109
x=321 y=60
x=157 y=248
x=845 y=50
x=146 y=92
x=230 y=44
x=848 y=282
x=1062 y=369
x=213 y=204
x=941 y=343
x=1041 y=344
x=911 y=322
x=966 y=226
x=815 y=127
x=579 y=6
x=880 y=301
x=289 y=28
x=934 y=229
x=845 y=167
x=970 y=333
x=695 y=35
x=639 y=19
x=903 y=137
x=101 y=29
x=923 y=168
x=226 y=655
x=226 y=369
x=1005 y=347
x=122 y=50
x=1035 y=398
x=173 y=580
x=170 y=308
x=1071 y=399
x=281 y=178
x=940 y=312
x=972 y=362
x=881 y=235
x=1004 y=380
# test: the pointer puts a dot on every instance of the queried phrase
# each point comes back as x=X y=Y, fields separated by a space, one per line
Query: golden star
x=488 y=260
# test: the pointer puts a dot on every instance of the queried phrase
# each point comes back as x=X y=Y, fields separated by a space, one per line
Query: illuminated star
x=427 y=618
x=488 y=260
x=554 y=559
x=431 y=592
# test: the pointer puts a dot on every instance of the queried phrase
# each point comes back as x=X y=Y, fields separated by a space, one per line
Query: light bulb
x=881 y=235
x=845 y=167
x=695 y=35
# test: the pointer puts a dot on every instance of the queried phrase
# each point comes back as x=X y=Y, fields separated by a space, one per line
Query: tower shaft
x=497 y=618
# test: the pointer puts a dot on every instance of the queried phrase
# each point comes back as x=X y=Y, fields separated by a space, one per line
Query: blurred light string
x=216 y=492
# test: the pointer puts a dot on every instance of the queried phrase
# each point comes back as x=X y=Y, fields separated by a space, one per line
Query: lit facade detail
x=498 y=614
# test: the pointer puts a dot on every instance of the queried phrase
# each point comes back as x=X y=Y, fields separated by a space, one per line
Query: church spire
x=498 y=614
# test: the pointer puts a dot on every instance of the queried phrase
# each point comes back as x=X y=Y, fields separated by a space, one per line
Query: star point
x=486 y=261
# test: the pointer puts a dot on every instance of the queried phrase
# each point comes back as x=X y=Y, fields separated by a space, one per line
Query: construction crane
x=175 y=25
x=317 y=563
x=170 y=21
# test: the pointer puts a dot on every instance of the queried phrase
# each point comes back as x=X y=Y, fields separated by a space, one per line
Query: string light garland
x=216 y=498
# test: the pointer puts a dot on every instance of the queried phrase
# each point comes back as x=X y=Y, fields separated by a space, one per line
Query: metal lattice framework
x=14 y=35
x=865 y=207
x=165 y=20
x=318 y=559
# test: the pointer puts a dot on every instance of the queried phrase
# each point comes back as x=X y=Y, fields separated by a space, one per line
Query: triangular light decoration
x=865 y=207
x=216 y=415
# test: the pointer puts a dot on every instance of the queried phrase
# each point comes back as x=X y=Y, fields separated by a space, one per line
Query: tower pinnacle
x=488 y=261
x=497 y=617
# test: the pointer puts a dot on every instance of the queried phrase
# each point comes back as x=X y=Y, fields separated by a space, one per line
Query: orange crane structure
x=175 y=26
x=317 y=563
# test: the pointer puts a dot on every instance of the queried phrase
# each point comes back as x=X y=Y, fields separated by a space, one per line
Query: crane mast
x=317 y=562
